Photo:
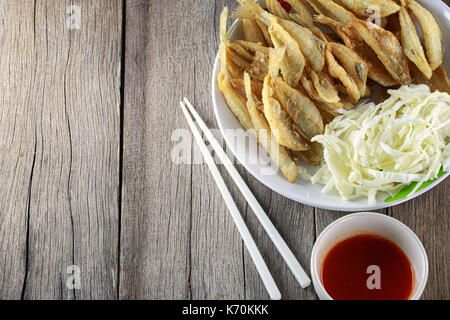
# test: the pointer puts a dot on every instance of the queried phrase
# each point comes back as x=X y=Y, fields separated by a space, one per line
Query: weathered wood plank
x=295 y=223
x=199 y=255
x=156 y=198
x=216 y=247
x=59 y=165
x=17 y=140
x=93 y=80
x=66 y=99
x=286 y=215
x=205 y=241
x=428 y=216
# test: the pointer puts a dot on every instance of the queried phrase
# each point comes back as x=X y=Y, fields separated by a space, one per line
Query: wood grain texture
x=428 y=216
x=192 y=249
x=178 y=240
x=216 y=248
x=150 y=228
x=295 y=222
x=17 y=141
x=60 y=130
x=156 y=200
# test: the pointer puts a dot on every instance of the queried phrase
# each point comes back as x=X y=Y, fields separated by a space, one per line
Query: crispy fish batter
x=387 y=47
x=347 y=35
x=308 y=86
x=276 y=9
x=252 y=47
x=338 y=72
x=327 y=114
x=240 y=50
x=324 y=86
x=233 y=70
x=302 y=14
x=343 y=32
x=280 y=123
x=259 y=58
x=343 y=91
x=300 y=108
x=265 y=32
x=366 y=8
x=347 y=101
x=227 y=67
x=282 y=158
x=411 y=43
x=251 y=10
x=282 y=127
x=256 y=53
x=293 y=62
x=313 y=156
x=353 y=64
x=251 y=31
x=332 y=10
x=431 y=32
x=247 y=56
x=259 y=66
x=256 y=86
x=237 y=59
x=234 y=100
x=319 y=34
x=310 y=45
x=377 y=72
x=439 y=81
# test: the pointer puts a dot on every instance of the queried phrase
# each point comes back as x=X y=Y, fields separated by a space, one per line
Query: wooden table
x=88 y=122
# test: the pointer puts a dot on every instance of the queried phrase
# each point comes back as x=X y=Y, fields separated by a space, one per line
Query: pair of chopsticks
x=276 y=238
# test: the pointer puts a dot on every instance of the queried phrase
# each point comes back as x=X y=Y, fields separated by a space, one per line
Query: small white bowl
x=372 y=223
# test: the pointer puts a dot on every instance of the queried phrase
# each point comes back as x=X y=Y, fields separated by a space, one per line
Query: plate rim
x=363 y=207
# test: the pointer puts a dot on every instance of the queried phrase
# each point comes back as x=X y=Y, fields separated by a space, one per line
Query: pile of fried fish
x=287 y=78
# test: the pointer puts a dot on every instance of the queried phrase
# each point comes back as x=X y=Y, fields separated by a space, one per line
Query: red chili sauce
x=286 y=6
x=349 y=269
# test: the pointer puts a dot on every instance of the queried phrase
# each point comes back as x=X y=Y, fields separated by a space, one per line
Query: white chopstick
x=258 y=260
x=274 y=235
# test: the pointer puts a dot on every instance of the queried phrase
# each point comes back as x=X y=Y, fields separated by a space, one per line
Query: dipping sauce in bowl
x=367 y=267
x=368 y=255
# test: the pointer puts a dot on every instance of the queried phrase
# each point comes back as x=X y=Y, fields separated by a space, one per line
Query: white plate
x=303 y=191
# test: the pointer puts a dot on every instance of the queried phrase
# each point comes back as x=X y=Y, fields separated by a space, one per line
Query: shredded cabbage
x=384 y=147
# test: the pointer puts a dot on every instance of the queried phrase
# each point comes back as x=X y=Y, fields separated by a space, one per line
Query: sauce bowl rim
x=421 y=280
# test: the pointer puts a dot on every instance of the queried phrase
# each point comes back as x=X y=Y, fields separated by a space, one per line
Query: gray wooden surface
x=88 y=122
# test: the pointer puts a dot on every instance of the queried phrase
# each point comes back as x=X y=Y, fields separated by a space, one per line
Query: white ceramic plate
x=303 y=191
